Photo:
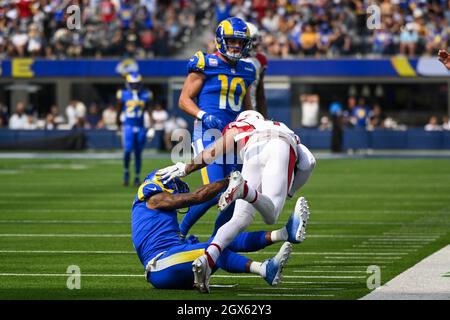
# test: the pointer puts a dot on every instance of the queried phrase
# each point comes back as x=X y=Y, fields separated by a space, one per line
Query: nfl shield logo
x=233 y=71
x=213 y=62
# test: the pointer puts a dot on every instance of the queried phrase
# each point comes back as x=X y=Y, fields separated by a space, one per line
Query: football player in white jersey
x=259 y=60
x=275 y=165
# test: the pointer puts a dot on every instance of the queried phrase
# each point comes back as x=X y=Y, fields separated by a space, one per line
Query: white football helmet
x=255 y=35
x=250 y=116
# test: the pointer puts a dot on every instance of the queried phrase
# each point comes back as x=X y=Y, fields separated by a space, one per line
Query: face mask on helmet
x=236 y=48
x=134 y=85
x=133 y=81
x=233 y=38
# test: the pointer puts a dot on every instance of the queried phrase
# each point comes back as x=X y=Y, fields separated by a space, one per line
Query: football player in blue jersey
x=168 y=259
x=215 y=91
x=132 y=105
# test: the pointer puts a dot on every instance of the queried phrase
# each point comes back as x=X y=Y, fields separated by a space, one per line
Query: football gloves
x=167 y=174
x=212 y=122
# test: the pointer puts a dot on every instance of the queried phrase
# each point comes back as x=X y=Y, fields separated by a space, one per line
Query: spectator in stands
x=382 y=41
x=310 y=110
x=30 y=123
x=408 y=39
x=349 y=118
x=3 y=115
x=71 y=113
x=376 y=118
x=18 y=119
x=309 y=40
x=172 y=124
x=159 y=117
x=93 y=118
x=50 y=123
x=446 y=123
x=58 y=118
x=34 y=44
x=361 y=113
x=433 y=124
x=18 y=43
x=109 y=117
x=223 y=10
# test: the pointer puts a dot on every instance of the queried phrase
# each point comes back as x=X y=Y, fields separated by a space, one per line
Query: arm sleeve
x=305 y=167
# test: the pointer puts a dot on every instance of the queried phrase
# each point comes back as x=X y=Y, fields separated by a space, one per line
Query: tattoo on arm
x=168 y=201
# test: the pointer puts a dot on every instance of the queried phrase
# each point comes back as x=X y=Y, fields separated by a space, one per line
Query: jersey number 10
x=224 y=92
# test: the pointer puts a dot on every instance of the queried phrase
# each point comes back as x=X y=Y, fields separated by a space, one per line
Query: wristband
x=200 y=114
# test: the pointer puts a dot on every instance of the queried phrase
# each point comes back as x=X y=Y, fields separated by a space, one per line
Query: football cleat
x=296 y=225
x=274 y=266
x=202 y=273
x=234 y=191
x=137 y=182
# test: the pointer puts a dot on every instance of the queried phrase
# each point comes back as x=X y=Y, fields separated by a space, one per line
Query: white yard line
x=423 y=281
x=283 y=295
x=329 y=271
x=69 y=251
x=64 y=235
x=66 y=275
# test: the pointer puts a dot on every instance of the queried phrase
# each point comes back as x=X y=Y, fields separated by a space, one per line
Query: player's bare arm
x=261 y=105
x=191 y=88
x=248 y=100
x=118 y=113
x=444 y=57
x=168 y=201
x=221 y=146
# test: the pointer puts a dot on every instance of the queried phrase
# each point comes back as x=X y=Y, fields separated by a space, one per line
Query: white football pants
x=267 y=168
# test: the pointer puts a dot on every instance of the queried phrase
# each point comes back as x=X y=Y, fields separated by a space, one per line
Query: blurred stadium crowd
x=339 y=27
x=289 y=28
x=356 y=113
x=126 y=28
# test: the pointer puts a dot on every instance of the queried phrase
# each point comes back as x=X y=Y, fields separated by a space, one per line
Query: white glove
x=167 y=174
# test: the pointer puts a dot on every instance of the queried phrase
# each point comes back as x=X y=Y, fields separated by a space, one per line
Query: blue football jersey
x=225 y=85
x=133 y=105
x=152 y=231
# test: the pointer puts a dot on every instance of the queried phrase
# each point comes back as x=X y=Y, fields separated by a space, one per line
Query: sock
x=279 y=235
x=258 y=268
x=251 y=241
x=137 y=163
x=250 y=194
x=213 y=253
x=126 y=160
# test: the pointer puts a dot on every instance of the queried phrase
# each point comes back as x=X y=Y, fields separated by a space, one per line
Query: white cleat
x=302 y=214
x=202 y=273
x=274 y=266
x=234 y=191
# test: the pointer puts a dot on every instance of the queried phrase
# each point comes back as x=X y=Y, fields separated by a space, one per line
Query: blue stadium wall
x=278 y=100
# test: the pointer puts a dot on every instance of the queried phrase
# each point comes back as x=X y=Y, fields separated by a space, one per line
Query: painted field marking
x=320 y=282
x=283 y=295
x=298 y=288
x=69 y=251
x=63 y=235
x=66 y=275
x=66 y=221
x=359 y=258
x=329 y=271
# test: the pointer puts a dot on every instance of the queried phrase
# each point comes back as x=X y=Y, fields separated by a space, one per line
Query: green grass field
x=57 y=213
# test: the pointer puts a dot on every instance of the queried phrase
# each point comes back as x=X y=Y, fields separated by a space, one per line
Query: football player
x=215 y=91
x=259 y=60
x=168 y=259
x=444 y=57
x=275 y=165
x=132 y=105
